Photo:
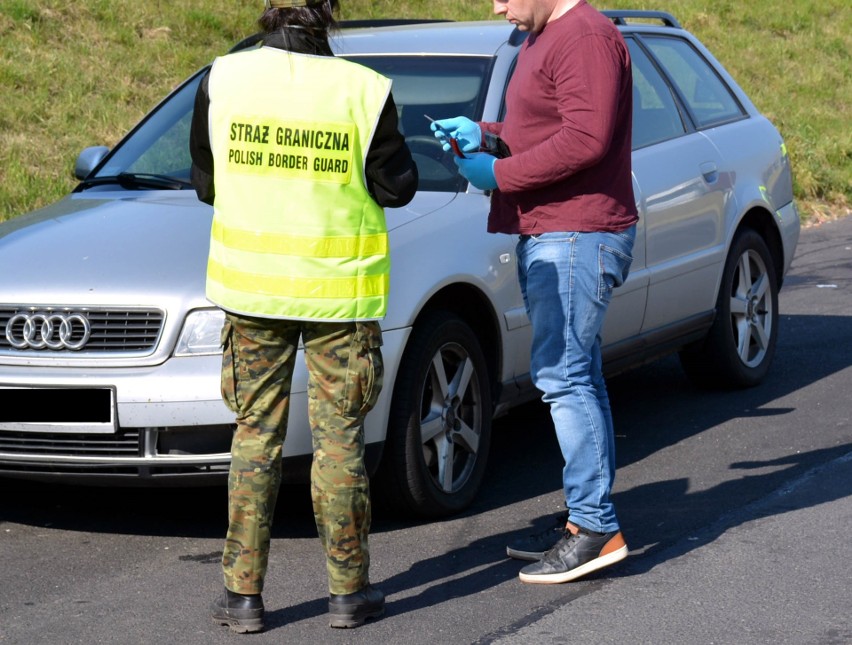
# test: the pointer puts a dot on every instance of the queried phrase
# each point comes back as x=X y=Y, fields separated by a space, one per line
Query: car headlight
x=201 y=333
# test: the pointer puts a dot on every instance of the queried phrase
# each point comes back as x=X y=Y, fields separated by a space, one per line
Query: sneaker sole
x=345 y=621
x=531 y=556
x=582 y=570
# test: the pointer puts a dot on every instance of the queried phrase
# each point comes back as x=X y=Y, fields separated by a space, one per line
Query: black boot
x=242 y=613
x=352 y=609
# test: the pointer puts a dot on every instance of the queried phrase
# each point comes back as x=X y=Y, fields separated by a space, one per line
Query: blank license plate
x=57 y=409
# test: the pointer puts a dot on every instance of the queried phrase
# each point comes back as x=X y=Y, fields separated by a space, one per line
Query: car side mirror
x=88 y=160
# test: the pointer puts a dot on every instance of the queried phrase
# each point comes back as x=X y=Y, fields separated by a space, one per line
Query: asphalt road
x=735 y=505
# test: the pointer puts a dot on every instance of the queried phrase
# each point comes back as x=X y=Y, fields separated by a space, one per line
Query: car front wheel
x=740 y=345
x=439 y=429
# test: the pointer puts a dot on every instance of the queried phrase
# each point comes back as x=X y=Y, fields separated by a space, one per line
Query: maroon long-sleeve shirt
x=568 y=125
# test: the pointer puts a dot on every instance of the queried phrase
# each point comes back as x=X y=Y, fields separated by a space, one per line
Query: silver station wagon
x=109 y=351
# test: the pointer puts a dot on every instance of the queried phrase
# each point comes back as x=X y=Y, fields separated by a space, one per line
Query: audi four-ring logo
x=48 y=330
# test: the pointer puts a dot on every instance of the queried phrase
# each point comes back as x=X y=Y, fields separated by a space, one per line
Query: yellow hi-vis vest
x=295 y=234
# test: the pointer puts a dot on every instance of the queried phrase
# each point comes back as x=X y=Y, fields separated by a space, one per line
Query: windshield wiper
x=137 y=180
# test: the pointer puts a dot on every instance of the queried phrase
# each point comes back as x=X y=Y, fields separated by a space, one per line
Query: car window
x=160 y=145
x=655 y=113
x=708 y=99
x=442 y=87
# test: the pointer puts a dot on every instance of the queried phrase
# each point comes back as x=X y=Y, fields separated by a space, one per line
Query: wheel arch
x=761 y=220
x=474 y=308
x=404 y=482
x=725 y=357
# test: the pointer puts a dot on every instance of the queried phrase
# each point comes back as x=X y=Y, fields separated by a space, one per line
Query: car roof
x=442 y=37
x=434 y=38
x=482 y=37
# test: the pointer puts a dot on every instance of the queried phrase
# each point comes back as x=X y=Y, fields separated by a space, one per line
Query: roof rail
x=620 y=17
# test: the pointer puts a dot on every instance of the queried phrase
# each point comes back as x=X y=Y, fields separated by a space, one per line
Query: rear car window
x=656 y=116
x=708 y=98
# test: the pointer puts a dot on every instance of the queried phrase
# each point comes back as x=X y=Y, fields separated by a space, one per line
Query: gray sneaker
x=533 y=547
x=578 y=552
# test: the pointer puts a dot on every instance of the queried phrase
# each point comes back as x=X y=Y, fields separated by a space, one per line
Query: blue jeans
x=567 y=281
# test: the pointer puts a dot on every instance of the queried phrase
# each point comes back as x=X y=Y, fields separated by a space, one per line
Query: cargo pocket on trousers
x=365 y=371
x=229 y=377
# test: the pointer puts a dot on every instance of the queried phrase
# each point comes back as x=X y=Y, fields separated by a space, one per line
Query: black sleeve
x=391 y=173
x=201 y=173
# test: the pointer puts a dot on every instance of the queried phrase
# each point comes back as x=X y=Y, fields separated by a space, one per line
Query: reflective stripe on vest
x=295 y=233
x=303 y=245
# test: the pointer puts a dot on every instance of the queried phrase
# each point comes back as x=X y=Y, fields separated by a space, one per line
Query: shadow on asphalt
x=653 y=407
x=645 y=516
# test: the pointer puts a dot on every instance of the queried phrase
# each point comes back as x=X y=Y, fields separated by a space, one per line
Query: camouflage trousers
x=345 y=371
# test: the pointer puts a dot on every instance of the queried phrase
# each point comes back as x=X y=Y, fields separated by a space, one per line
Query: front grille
x=113 y=331
x=125 y=444
x=122 y=457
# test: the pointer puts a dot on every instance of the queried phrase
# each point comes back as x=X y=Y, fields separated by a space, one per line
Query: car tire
x=439 y=427
x=740 y=345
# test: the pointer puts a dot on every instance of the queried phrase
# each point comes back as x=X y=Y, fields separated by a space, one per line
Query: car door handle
x=710 y=172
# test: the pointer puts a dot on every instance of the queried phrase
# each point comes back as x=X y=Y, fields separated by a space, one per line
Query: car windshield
x=159 y=146
x=440 y=87
x=437 y=86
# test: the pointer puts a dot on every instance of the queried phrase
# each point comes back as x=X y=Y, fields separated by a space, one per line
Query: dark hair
x=319 y=17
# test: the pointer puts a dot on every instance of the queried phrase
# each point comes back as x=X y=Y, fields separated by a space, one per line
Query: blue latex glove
x=460 y=128
x=478 y=169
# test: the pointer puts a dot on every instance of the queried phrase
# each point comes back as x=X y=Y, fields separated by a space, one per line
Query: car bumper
x=789 y=225
x=163 y=422
x=167 y=423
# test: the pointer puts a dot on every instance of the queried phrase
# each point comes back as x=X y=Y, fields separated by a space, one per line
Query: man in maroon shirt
x=566 y=189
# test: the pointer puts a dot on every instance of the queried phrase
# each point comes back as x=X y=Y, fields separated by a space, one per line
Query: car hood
x=108 y=251
x=123 y=248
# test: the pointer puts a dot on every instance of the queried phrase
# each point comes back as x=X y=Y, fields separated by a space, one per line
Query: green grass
x=80 y=74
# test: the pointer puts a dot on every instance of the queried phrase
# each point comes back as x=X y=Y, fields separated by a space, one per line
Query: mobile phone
x=453 y=143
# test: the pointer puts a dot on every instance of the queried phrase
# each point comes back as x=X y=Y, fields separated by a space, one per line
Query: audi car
x=110 y=353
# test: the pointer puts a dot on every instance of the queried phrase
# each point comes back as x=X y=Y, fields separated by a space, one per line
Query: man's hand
x=460 y=128
x=478 y=169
